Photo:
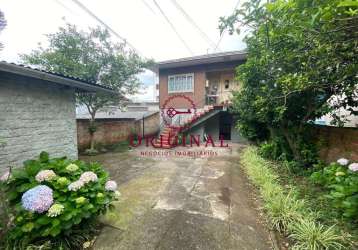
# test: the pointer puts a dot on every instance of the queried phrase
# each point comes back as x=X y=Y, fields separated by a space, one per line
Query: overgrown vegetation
x=289 y=211
x=340 y=182
x=54 y=203
x=301 y=64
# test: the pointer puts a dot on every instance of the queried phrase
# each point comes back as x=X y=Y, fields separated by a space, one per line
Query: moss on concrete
x=137 y=196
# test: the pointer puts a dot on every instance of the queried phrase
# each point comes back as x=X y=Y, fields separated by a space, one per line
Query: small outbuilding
x=38 y=113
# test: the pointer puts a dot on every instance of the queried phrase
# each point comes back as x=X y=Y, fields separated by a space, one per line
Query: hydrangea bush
x=49 y=197
x=340 y=179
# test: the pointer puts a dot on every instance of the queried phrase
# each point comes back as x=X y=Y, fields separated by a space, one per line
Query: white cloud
x=145 y=93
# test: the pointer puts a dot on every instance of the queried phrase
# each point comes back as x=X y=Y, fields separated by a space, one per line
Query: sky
x=140 y=22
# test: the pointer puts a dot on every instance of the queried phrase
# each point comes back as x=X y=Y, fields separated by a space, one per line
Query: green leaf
x=66 y=224
x=19 y=174
x=66 y=216
x=55 y=222
x=348 y=3
x=43 y=220
x=88 y=206
x=55 y=231
x=27 y=227
x=24 y=187
x=44 y=157
x=337 y=194
x=32 y=167
x=12 y=195
x=77 y=220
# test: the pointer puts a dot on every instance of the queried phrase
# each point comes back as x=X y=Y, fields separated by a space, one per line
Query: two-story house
x=194 y=94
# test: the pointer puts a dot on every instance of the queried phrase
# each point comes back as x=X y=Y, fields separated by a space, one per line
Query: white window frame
x=181 y=91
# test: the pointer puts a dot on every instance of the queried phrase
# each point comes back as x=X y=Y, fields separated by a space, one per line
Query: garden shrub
x=286 y=212
x=340 y=179
x=271 y=150
x=52 y=198
x=312 y=235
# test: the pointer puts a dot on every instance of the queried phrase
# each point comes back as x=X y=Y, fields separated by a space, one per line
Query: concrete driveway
x=181 y=202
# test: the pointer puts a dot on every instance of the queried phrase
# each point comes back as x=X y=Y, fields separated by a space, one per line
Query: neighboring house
x=142 y=106
x=114 y=125
x=208 y=81
x=38 y=113
x=349 y=120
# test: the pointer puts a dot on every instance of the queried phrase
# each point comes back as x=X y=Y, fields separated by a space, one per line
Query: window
x=181 y=83
x=227 y=84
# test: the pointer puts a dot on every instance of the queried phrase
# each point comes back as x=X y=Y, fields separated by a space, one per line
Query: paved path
x=181 y=203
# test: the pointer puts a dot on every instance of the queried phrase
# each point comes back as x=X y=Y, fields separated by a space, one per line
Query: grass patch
x=287 y=212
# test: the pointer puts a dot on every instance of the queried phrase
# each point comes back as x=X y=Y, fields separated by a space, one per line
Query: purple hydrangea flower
x=111 y=186
x=38 y=199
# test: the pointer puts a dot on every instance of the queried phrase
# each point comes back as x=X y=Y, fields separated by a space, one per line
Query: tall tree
x=94 y=57
x=302 y=55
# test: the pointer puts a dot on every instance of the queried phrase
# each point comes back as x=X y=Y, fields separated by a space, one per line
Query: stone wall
x=35 y=116
x=111 y=131
x=335 y=143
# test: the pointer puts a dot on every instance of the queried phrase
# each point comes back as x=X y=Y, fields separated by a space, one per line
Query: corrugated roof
x=202 y=59
x=78 y=83
x=117 y=114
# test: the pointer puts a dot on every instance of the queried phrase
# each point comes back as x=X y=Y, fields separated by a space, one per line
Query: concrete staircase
x=162 y=140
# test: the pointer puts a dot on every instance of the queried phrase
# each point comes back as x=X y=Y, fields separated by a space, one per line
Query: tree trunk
x=291 y=143
x=91 y=140
x=92 y=130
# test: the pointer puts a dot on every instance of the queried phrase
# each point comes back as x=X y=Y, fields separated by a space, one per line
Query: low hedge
x=286 y=212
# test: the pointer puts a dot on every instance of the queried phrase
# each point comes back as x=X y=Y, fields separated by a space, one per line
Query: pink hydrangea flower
x=111 y=186
x=76 y=185
x=353 y=166
x=88 y=176
x=342 y=161
x=45 y=175
x=5 y=176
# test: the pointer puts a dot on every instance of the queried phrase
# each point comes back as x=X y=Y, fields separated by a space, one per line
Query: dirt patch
x=225 y=196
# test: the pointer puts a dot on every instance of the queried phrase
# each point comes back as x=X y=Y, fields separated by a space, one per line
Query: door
x=225 y=123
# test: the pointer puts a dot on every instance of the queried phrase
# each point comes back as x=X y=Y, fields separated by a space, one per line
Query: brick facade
x=335 y=143
x=201 y=71
x=198 y=96
x=35 y=116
